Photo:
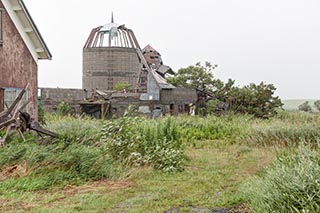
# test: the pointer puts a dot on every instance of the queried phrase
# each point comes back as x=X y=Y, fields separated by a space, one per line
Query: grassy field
x=210 y=181
x=222 y=159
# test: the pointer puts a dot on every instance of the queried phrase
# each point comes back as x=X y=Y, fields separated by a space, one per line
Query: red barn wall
x=17 y=66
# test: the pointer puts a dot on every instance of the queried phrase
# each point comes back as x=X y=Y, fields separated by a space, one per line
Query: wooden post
x=1 y=99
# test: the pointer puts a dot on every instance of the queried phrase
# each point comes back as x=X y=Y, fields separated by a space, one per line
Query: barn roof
x=27 y=28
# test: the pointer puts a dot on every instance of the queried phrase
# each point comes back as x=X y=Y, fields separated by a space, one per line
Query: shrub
x=255 y=99
x=65 y=109
x=122 y=137
x=212 y=106
x=290 y=184
x=305 y=107
x=317 y=105
x=41 y=116
x=121 y=86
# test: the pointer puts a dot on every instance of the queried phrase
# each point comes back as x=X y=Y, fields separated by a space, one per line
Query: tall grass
x=75 y=156
x=137 y=141
x=288 y=129
x=75 y=129
x=162 y=144
x=230 y=128
x=89 y=149
x=290 y=184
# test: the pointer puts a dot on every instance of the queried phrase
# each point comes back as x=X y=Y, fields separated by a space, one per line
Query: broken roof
x=148 y=48
x=161 y=82
x=28 y=30
x=164 y=69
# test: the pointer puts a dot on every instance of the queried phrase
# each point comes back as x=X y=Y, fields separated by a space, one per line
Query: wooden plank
x=1 y=99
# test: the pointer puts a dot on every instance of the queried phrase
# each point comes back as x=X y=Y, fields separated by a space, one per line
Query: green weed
x=136 y=141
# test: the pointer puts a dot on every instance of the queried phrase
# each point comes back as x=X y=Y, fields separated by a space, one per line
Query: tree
x=317 y=105
x=254 y=99
x=305 y=107
x=198 y=76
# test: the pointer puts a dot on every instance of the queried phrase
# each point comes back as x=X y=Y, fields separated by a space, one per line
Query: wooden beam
x=16 y=8
x=28 y=29
x=39 y=50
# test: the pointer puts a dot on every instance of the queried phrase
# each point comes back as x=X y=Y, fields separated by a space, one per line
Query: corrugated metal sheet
x=163 y=84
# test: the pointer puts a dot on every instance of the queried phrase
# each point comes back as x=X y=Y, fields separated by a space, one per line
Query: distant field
x=293 y=104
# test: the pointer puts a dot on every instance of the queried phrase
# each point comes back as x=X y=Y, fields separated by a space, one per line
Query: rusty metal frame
x=125 y=39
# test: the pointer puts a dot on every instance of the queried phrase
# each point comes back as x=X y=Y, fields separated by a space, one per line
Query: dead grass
x=18 y=170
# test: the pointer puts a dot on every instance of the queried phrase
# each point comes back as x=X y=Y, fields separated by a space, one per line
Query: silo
x=111 y=56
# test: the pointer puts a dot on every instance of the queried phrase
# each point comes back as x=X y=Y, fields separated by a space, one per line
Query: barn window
x=1 y=27
x=10 y=94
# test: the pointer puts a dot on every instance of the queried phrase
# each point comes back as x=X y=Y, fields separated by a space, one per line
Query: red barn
x=21 y=46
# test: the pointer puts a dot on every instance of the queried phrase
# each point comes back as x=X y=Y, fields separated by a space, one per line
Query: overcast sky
x=275 y=41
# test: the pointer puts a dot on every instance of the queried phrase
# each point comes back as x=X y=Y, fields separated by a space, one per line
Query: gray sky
x=275 y=41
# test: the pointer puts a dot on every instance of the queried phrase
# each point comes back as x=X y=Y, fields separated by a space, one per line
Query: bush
x=305 y=107
x=317 y=105
x=255 y=99
x=121 y=86
x=65 y=109
x=41 y=116
x=290 y=184
x=212 y=106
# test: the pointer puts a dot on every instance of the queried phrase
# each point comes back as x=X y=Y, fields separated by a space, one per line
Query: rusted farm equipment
x=13 y=118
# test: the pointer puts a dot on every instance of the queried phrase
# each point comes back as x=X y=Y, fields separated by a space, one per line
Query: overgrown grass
x=74 y=157
x=288 y=129
x=75 y=129
x=136 y=141
x=231 y=128
x=291 y=184
x=207 y=158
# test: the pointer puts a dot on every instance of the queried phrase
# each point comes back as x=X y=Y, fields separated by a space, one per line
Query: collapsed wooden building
x=112 y=56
